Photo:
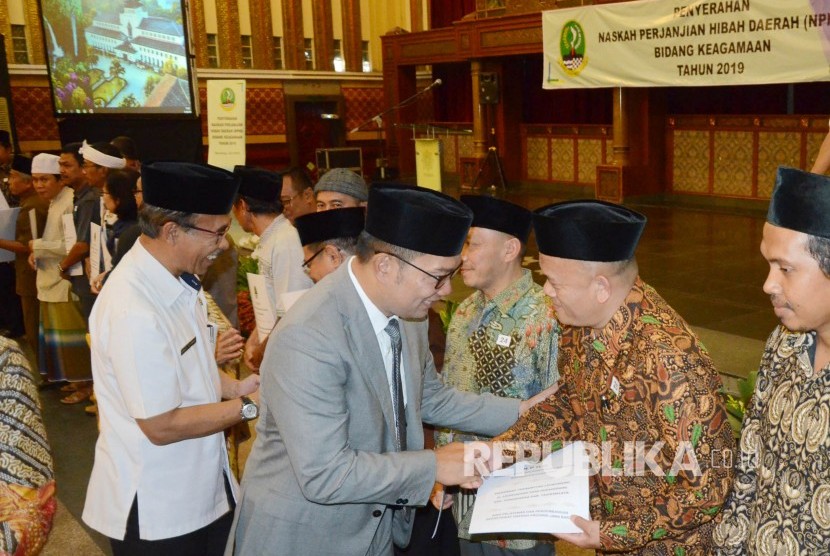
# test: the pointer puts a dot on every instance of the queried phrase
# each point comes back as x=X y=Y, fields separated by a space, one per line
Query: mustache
x=777 y=301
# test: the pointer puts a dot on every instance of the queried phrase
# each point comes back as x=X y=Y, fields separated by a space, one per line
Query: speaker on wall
x=488 y=83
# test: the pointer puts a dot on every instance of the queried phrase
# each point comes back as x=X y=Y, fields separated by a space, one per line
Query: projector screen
x=118 y=57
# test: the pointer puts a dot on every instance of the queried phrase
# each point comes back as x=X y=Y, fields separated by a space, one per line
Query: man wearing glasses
x=329 y=238
x=338 y=463
x=297 y=194
x=161 y=482
x=279 y=254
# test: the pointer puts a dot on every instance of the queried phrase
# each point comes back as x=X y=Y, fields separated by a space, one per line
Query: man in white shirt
x=161 y=482
x=279 y=254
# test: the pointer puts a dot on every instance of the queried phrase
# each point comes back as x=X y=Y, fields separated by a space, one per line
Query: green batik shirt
x=507 y=347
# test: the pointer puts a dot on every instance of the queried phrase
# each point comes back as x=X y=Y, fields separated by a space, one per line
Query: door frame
x=291 y=118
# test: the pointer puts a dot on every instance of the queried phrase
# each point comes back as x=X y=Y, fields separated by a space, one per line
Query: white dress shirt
x=279 y=257
x=152 y=353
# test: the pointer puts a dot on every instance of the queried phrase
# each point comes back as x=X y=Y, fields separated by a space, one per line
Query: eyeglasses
x=307 y=262
x=286 y=201
x=217 y=235
x=439 y=280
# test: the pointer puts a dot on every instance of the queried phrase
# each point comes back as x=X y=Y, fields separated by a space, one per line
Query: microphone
x=434 y=84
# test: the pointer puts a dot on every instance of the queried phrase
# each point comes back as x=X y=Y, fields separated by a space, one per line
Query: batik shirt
x=507 y=347
x=644 y=377
x=780 y=503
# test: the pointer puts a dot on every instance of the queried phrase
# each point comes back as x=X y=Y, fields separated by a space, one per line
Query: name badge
x=189 y=345
x=615 y=386
x=503 y=340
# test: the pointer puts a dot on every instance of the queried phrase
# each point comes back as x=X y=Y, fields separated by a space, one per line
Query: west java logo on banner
x=572 y=48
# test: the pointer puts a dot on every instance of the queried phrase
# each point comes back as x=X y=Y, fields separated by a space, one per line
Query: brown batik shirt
x=645 y=377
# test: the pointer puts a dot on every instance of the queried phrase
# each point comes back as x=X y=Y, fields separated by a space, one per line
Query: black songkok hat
x=259 y=183
x=588 y=230
x=22 y=164
x=315 y=227
x=801 y=202
x=188 y=187
x=499 y=215
x=418 y=219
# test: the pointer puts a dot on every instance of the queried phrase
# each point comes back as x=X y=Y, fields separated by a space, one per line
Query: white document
x=535 y=497
x=94 y=251
x=33 y=223
x=70 y=239
x=287 y=300
x=264 y=313
x=8 y=230
x=4 y=204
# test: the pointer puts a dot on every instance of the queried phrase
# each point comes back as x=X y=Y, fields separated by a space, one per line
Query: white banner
x=226 y=122
x=682 y=43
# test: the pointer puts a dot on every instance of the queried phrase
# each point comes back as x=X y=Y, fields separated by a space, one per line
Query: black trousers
x=445 y=542
x=210 y=540
x=11 y=314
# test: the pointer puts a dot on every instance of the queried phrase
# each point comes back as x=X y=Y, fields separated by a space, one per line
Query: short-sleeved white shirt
x=279 y=256
x=151 y=353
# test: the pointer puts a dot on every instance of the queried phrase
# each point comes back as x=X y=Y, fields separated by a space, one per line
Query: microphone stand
x=378 y=119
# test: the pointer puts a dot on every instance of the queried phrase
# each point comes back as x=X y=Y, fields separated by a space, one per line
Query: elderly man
x=161 y=482
x=340 y=188
x=780 y=503
x=279 y=254
x=22 y=187
x=297 y=194
x=502 y=339
x=347 y=378
x=329 y=238
x=632 y=372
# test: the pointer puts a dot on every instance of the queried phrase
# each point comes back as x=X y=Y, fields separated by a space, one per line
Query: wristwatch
x=249 y=410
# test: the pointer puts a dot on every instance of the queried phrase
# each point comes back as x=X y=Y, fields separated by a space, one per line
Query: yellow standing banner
x=428 y=163
x=226 y=122
x=652 y=43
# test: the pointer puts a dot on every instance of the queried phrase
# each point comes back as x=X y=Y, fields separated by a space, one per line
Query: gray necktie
x=397 y=386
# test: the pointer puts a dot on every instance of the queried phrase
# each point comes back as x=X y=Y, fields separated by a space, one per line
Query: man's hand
x=98 y=283
x=525 y=406
x=228 y=346
x=589 y=538
x=249 y=386
x=252 y=347
x=458 y=465
x=32 y=261
x=439 y=497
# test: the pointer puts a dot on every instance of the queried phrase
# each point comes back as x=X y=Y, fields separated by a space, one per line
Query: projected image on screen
x=117 y=56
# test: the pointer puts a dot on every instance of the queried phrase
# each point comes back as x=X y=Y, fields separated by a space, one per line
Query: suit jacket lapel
x=364 y=345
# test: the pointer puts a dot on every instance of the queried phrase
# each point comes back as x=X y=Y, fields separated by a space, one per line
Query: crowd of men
x=345 y=380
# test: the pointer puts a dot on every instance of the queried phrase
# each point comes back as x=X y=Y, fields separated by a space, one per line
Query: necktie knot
x=394 y=331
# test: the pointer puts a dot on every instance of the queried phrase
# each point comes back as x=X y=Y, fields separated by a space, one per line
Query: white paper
x=70 y=239
x=4 y=204
x=8 y=230
x=264 y=313
x=94 y=251
x=33 y=223
x=535 y=497
x=287 y=300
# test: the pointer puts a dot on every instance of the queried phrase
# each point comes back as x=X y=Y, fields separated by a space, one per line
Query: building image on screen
x=117 y=56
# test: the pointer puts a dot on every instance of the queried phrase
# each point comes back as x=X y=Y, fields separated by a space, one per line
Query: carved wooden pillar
x=199 y=30
x=416 y=11
x=352 y=36
x=292 y=33
x=230 y=38
x=479 y=125
x=262 y=34
x=323 y=36
x=621 y=146
x=35 y=33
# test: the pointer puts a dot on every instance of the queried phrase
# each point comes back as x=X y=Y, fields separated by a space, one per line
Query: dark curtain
x=453 y=100
x=443 y=12
x=568 y=106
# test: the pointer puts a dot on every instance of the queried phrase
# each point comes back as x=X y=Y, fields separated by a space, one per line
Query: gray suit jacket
x=323 y=470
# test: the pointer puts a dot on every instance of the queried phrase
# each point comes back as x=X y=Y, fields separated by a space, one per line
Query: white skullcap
x=45 y=163
x=101 y=159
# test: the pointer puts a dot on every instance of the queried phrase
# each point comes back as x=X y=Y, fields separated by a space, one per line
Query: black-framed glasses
x=307 y=262
x=439 y=280
x=217 y=235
